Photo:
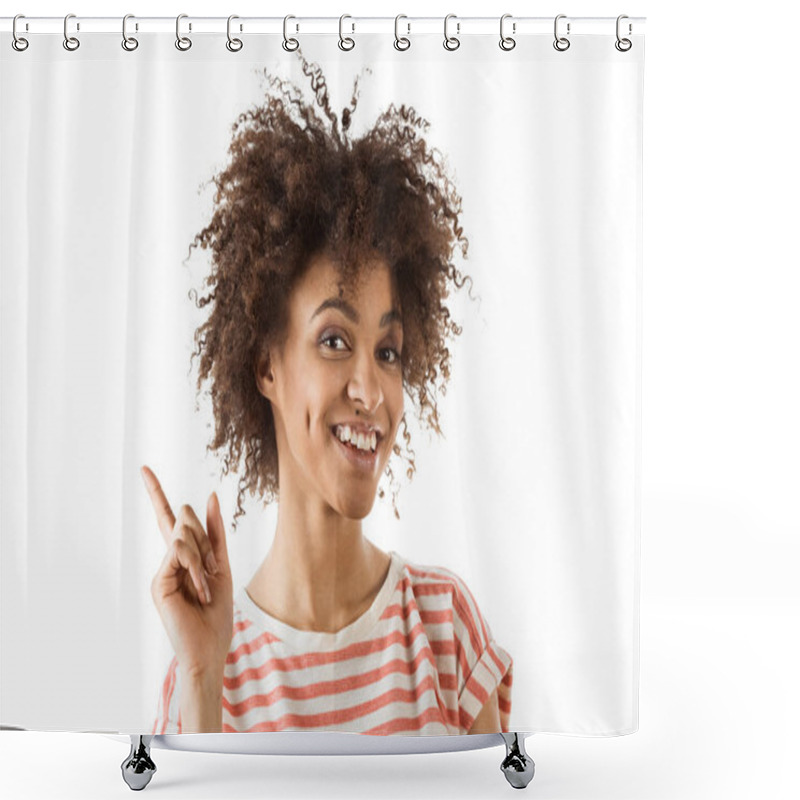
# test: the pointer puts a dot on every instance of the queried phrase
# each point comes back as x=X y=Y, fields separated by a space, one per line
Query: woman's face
x=338 y=377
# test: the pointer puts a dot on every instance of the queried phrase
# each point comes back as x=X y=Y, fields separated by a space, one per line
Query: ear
x=265 y=376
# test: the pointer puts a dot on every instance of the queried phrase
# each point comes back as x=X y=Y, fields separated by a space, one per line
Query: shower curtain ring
x=561 y=43
x=182 y=42
x=345 y=43
x=506 y=42
x=451 y=42
x=129 y=43
x=401 y=43
x=623 y=45
x=234 y=45
x=18 y=42
x=289 y=44
x=70 y=42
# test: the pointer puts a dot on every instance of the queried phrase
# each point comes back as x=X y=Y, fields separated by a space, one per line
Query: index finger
x=164 y=515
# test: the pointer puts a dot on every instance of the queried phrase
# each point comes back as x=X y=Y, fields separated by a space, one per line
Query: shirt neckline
x=325 y=640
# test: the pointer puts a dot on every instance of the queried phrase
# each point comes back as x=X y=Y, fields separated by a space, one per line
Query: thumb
x=216 y=529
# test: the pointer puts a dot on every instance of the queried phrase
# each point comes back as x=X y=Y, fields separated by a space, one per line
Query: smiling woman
x=297 y=188
x=335 y=384
x=331 y=264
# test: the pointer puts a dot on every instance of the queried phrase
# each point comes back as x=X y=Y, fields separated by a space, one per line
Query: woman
x=330 y=267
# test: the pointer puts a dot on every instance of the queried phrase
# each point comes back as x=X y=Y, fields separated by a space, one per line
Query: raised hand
x=193 y=588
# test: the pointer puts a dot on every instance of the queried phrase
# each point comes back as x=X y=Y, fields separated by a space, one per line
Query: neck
x=321 y=573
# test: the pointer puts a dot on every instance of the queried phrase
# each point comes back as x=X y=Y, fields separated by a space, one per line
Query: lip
x=358 y=458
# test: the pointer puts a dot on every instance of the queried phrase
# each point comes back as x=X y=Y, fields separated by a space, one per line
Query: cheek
x=299 y=407
x=395 y=401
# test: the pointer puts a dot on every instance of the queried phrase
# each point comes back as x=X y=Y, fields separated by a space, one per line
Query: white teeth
x=363 y=441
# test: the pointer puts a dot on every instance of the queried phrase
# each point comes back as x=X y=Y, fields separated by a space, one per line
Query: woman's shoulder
x=433 y=575
x=437 y=585
x=449 y=609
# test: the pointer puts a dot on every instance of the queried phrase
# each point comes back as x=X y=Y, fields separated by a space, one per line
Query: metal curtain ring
x=345 y=43
x=234 y=45
x=623 y=45
x=506 y=42
x=289 y=44
x=401 y=43
x=70 y=42
x=128 y=42
x=561 y=43
x=181 y=42
x=450 y=42
x=18 y=42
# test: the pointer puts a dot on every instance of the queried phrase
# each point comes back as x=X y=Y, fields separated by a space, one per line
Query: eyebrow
x=352 y=314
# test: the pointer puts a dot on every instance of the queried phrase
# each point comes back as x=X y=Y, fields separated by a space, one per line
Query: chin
x=356 y=507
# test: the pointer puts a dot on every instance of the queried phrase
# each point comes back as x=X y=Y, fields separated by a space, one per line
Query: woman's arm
x=193 y=592
x=488 y=721
x=201 y=705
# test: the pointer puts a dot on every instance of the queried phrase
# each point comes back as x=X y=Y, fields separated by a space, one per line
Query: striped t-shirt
x=420 y=661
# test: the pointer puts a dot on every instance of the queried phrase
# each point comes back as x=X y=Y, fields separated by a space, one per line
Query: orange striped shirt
x=420 y=661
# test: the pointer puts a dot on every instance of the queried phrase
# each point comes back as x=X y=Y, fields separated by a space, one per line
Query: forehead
x=369 y=287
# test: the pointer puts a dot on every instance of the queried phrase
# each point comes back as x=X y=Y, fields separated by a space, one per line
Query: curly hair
x=296 y=185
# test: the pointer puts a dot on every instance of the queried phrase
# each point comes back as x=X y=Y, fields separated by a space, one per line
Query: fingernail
x=206 y=589
x=212 y=564
x=144 y=477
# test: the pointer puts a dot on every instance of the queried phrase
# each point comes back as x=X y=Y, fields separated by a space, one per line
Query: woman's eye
x=396 y=354
x=329 y=342
x=331 y=338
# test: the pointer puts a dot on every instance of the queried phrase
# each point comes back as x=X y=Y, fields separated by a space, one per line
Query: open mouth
x=364 y=458
x=364 y=442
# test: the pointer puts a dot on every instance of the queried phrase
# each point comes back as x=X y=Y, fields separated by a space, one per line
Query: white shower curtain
x=529 y=500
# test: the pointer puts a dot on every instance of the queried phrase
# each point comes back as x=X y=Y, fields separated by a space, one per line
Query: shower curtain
x=359 y=314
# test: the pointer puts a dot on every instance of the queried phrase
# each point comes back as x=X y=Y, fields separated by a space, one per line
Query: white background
x=720 y=605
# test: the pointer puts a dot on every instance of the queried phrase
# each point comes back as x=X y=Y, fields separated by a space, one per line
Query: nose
x=365 y=384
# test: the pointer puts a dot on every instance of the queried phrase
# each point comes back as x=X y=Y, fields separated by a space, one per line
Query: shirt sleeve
x=483 y=665
x=168 y=717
